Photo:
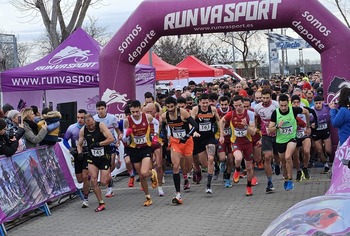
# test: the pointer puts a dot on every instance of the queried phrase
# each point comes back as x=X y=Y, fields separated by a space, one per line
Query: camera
x=11 y=134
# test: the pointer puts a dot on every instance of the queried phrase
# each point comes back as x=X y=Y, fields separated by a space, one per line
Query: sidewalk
x=225 y=212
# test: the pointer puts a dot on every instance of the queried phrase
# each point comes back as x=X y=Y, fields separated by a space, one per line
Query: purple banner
x=310 y=19
x=30 y=178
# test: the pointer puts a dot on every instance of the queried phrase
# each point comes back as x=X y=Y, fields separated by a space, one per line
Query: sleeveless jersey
x=323 y=118
x=96 y=136
x=140 y=136
x=205 y=121
x=288 y=130
x=178 y=128
x=239 y=132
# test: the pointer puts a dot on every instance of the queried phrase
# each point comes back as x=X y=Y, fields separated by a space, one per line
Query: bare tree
x=54 y=15
x=341 y=7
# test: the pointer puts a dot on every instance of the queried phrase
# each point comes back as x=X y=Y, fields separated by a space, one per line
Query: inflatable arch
x=156 y=18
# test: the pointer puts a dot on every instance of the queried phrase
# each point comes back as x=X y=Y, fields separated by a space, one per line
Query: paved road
x=226 y=212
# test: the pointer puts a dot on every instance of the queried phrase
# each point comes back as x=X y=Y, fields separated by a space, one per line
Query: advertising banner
x=30 y=178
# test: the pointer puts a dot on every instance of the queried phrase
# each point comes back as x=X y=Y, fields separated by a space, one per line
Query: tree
x=54 y=15
x=342 y=9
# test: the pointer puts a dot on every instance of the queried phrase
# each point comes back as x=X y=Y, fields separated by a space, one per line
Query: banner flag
x=30 y=178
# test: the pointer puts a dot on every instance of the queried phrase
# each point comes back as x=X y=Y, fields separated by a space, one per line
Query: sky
x=111 y=14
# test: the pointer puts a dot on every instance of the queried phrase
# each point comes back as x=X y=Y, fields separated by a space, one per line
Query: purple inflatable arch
x=156 y=18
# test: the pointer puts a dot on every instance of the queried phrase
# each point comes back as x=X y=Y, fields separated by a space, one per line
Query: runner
x=263 y=113
x=98 y=139
x=224 y=148
x=321 y=134
x=80 y=164
x=204 y=139
x=243 y=128
x=283 y=122
x=157 y=156
x=112 y=124
x=181 y=142
x=303 y=140
x=136 y=134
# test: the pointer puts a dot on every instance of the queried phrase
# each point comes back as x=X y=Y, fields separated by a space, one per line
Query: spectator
x=340 y=117
x=52 y=119
x=8 y=146
x=5 y=109
x=37 y=114
x=15 y=128
x=32 y=134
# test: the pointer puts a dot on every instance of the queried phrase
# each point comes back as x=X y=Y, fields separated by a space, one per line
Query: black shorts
x=301 y=140
x=80 y=165
x=268 y=143
x=102 y=163
x=126 y=151
x=282 y=147
x=320 y=135
x=200 y=144
x=138 y=154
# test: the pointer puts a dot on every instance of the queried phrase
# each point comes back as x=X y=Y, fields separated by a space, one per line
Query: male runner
x=181 y=142
x=112 y=124
x=80 y=164
x=283 y=122
x=98 y=139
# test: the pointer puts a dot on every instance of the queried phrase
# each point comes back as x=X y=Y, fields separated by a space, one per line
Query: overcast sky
x=112 y=14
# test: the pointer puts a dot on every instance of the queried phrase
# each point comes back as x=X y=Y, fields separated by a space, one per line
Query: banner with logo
x=30 y=178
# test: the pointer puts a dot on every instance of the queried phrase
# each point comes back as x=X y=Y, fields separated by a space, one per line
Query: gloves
x=80 y=157
x=94 y=145
x=155 y=140
x=72 y=151
x=184 y=139
x=128 y=132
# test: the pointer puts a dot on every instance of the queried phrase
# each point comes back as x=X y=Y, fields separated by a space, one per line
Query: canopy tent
x=199 y=71
x=166 y=73
x=69 y=74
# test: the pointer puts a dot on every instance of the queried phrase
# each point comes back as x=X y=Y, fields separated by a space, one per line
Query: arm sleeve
x=194 y=125
x=297 y=111
x=312 y=111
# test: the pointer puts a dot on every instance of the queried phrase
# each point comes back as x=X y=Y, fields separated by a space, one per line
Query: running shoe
x=160 y=192
x=194 y=177
x=131 y=183
x=255 y=181
x=300 y=176
x=249 y=191
x=109 y=193
x=285 y=185
x=209 y=190
x=101 y=207
x=85 y=203
x=243 y=174
x=154 y=179
x=270 y=188
x=228 y=183
x=187 y=184
x=236 y=176
x=290 y=184
x=148 y=202
x=326 y=170
x=222 y=167
x=261 y=165
x=277 y=169
x=306 y=173
x=177 y=200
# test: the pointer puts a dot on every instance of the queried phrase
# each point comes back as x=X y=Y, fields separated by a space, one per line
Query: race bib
x=227 y=131
x=286 y=130
x=240 y=132
x=204 y=127
x=322 y=126
x=140 y=139
x=179 y=133
x=98 y=152
x=300 y=134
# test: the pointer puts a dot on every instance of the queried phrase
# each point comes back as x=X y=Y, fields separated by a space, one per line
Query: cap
x=12 y=113
x=243 y=93
x=318 y=98
x=178 y=87
x=307 y=86
x=7 y=107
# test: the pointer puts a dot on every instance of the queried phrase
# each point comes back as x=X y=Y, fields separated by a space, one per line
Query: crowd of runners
x=226 y=126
